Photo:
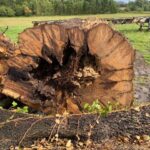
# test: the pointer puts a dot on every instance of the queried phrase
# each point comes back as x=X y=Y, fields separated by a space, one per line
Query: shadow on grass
x=133 y=31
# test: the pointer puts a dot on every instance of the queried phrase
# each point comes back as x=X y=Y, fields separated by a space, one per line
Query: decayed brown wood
x=113 y=20
x=127 y=20
x=66 y=63
x=24 y=129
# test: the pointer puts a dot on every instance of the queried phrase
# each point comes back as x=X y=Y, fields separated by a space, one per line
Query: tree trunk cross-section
x=23 y=129
x=63 y=64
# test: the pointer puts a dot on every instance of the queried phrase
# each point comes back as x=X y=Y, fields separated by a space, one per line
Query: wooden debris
x=76 y=60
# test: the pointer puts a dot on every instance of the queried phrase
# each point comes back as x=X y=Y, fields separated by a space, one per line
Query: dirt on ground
x=121 y=143
x=142 y=80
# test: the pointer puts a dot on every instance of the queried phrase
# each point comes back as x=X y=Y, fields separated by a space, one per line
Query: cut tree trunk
x=23 y=129
x=64 y=64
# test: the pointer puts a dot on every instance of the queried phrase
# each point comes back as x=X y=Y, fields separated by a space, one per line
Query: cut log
x=79 y=60
x=23 y=129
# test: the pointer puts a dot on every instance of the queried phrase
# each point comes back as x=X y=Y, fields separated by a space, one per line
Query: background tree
x=66 y=7
x=139 y=5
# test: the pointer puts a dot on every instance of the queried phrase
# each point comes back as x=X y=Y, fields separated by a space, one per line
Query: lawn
x=139 y=40
x=13 y=21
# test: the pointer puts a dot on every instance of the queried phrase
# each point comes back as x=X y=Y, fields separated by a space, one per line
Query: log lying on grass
x=23 y=129
x=64 y=64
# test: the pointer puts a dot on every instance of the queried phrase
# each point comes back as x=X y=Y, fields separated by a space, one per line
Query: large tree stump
x=63 y=64
x=23 y=129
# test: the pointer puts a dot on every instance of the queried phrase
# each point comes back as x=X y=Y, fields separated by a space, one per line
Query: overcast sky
x=125 y=0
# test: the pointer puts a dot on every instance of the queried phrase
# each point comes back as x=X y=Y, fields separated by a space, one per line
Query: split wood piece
x=24 y=129
x=65 y=64
x=20 y=91
x=6 y=47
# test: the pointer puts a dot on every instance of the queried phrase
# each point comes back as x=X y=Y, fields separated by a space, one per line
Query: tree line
x=56 y=7
x=67 y=7
x=139 y=5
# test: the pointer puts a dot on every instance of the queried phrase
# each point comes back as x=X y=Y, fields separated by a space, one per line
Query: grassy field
x=140 y=40
x=13 y=21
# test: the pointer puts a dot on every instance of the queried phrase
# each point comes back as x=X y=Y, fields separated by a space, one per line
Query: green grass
x=13 y=31
x=139 y=40
x=27 y=21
